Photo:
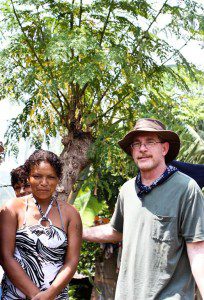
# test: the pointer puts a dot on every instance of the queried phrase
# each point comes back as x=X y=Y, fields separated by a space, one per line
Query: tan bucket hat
x=155 y=126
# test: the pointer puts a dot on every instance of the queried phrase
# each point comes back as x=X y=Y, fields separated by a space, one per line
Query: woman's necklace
x=44 y=215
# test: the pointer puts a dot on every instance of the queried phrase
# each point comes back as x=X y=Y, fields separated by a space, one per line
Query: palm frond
x=192 y=150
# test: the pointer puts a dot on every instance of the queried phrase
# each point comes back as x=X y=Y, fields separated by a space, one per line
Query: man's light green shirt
x=155 y=230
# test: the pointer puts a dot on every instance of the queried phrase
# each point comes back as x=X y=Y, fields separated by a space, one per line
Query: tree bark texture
x=75 y=159
x=105 y=278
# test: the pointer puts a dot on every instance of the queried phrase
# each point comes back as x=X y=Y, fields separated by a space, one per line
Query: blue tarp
x=196 y=171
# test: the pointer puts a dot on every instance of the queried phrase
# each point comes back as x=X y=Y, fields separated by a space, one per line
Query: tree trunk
x=105 y=278
x=75 y=159
x=78 y=185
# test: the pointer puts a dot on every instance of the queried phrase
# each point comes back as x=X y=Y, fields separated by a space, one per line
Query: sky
x=7 y=112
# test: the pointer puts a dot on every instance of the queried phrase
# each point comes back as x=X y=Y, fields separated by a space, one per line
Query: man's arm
x=102 y=234
x=196 y=257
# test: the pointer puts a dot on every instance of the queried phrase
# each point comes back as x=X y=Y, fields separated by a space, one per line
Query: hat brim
x=167 y=135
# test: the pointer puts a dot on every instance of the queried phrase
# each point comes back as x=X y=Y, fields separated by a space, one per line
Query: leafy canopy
x=86 y=67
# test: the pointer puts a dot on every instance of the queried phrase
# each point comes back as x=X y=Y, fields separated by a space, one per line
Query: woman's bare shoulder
x=69 y=209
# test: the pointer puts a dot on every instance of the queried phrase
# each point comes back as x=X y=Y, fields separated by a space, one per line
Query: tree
x=84 y=71
x=87 y=71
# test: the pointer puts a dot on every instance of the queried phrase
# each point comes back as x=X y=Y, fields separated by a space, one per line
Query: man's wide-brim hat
x=155 y=126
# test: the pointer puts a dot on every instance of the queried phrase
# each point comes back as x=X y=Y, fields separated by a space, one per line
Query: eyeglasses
x=148 y=145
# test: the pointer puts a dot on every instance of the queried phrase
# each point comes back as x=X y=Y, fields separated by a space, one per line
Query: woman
x=40 y=236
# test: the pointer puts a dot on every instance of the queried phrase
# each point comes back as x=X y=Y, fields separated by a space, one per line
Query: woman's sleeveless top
x=40 y=251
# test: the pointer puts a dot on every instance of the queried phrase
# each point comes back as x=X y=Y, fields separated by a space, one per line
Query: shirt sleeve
x=117 y=218
x=192 y=225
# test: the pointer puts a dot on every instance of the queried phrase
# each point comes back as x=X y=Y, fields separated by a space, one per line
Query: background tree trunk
x=75 y=159
x=105 y=278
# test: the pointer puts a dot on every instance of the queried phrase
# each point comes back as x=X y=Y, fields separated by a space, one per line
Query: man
x=159 y=215
x=19 y=182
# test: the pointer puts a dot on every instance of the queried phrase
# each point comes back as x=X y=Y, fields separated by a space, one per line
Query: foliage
x=96 y=67
x=194 y=151
x=89 y=252
x=190 y=115
x=80 y=290
x=88 y=206
x=77 y=66
x=72 y=291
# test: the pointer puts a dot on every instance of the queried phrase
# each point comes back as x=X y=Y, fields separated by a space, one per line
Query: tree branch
x=72 y=17
x=80 y=13
x=27 y=40
x=168 y=59
x=65 y=99
x=106 y=23
x=54 y=107
x=61 y=106
x=154 y=19
x=42 y=34
x=105 y=92
x=62 y=118
x=176 y=51
x=108 y=110
x=74 y=192
x=83 y=89
x=39 y=61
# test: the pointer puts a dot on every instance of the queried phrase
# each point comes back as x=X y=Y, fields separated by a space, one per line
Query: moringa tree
x=87 y=70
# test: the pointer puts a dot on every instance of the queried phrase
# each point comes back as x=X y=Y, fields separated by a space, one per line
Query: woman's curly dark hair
x=47 y=156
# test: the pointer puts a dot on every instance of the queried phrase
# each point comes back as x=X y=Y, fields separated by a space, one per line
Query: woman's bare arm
x=8 y=227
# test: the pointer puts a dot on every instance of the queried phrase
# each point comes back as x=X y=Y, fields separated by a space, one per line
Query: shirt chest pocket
x=164 y=228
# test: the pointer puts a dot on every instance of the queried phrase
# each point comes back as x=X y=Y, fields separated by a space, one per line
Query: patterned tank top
x=40 y=251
